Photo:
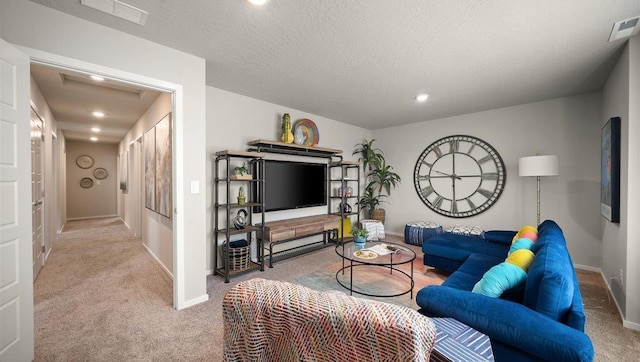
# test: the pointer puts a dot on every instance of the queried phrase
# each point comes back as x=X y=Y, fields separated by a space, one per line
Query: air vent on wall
x=119 y=9
x=625 y=28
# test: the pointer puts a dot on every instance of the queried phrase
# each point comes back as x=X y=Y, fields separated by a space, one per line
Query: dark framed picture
x=610 y=170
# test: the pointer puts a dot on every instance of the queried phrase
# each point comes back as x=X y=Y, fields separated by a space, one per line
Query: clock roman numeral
x=424 y=177
x=437 y=203
x=490 y=176
x=472 y=206
x=454 y=206
x=473 y=145
x=438 y=151
x=454 y=146
x=485 y=159
x=427 y=163
x=427 y=191
x=486 y=193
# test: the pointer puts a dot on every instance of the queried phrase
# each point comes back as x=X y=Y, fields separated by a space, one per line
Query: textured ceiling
x=72 y=97
x=362 y=61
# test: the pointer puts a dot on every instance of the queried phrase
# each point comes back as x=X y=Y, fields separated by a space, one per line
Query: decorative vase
x=287 y=135
x=377 y=214
x=359 y=241
x=242 y=199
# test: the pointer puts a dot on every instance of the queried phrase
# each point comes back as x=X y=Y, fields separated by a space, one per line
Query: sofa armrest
x=507 y=322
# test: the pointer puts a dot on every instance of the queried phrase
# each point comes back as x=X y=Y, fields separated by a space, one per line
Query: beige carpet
x=101 y=297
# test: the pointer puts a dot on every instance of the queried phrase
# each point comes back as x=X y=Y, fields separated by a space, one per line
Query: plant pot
x=377 y=214
x=238 y=176
x=359 y=242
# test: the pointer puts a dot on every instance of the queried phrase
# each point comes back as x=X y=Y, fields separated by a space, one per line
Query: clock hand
x=452 y=176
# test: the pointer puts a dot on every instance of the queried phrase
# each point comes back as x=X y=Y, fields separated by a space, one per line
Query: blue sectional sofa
x=540 y=320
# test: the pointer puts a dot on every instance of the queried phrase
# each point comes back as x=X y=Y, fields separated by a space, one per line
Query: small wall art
x=610 y=170
x=149 y=150
x=163 y=166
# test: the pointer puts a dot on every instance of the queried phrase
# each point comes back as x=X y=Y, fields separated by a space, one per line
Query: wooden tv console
x=281 y=231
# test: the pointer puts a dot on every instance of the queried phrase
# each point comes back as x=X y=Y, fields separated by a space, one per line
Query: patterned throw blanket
x=267 y=320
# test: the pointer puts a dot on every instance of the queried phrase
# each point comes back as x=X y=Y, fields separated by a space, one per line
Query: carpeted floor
x=101 y=297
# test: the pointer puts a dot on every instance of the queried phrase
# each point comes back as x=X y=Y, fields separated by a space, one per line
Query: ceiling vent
x=119 y=9
x=625 y=28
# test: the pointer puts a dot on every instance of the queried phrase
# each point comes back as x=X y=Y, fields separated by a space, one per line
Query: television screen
x=292 y=185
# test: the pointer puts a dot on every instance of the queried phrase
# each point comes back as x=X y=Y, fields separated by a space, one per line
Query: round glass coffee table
x=375 y=255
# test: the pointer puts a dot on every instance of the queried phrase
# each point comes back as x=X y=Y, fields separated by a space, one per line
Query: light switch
x=195 y=187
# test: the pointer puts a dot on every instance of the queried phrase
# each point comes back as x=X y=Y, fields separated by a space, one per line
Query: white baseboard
x=194 y=301
x=164 y=268
x=587 y=268
x=625 y=323
x=91 y=217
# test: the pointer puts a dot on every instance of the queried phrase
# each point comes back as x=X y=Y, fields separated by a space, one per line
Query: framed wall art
x=163 y=166
x=149 y=150
x=610 y=170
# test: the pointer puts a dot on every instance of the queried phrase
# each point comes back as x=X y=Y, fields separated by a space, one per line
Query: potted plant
x=241 y=172
x=381 y=178
x=359 y=236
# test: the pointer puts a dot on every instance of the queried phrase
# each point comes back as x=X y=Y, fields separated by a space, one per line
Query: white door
x=37 y=193
x=16 y=272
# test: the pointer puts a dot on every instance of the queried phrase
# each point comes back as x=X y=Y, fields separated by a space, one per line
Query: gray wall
x=621 y=248
x=99 y=200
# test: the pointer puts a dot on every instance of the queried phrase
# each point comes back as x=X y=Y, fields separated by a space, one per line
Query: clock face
x=459 y=176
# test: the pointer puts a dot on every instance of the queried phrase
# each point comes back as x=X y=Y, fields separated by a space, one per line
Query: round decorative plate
x=86 y=183
x=310 y=131
x=362 y=255
x=100 y=173
x=84 y=161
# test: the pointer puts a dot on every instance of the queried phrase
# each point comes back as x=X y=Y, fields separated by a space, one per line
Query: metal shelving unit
x=345 y=180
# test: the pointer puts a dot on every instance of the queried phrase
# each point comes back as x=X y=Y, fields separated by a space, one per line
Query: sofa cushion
x=550 y=285
x=460 y=247
x=500 y=278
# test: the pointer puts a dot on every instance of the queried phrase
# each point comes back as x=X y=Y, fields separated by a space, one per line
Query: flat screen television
x=293 y=185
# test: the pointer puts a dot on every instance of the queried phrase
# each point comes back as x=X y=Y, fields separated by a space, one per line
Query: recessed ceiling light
x=258 y=2
x=97 y=78
x=95 y=129
x=422 y=97
x=94 y=139
x=98 y=114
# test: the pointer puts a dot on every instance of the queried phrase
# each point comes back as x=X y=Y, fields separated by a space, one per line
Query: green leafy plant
x=241 y=170
x=359 y=233
x=381 y=176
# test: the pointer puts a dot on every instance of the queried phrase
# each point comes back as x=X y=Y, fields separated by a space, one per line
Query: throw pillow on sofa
x=500 y=278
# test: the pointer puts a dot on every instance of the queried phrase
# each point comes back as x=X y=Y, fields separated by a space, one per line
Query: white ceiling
x=362 y=61
x=73 y=97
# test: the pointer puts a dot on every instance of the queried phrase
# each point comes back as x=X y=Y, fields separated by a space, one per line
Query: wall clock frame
x=459 y=176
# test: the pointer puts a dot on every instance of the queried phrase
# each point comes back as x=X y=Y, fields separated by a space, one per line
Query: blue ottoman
x=417 y=232
x=457 y=342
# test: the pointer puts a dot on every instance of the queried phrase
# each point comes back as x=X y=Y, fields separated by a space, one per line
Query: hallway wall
x=100 y=199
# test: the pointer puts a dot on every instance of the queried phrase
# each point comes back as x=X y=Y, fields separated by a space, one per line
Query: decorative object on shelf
x=241 y=173
x=239 y=254
x=459 y=176
x=345 y=208
x=242 y=198
x=344 y=227
x=100 y=173
x=359 y=236
x=287 y=135
x=610 y=171
x=309 y=130
x=538 y=165
x=84 y=161
x=381 y=178
x=348 y=191
x=298 y=136
x=240 y=221
x=86 y=183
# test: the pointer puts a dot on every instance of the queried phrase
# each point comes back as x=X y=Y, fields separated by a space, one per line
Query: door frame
x=177 y=92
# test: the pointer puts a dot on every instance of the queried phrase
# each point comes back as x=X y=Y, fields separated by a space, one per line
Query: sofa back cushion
x=550 y=281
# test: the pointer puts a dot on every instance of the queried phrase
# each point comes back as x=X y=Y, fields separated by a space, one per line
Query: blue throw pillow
x=500 y=278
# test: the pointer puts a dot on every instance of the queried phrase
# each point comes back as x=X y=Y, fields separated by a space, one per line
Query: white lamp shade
x=540 y=165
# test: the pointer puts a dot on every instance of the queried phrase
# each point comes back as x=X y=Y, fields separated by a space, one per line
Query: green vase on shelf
x=287 y=135
x=242 y=199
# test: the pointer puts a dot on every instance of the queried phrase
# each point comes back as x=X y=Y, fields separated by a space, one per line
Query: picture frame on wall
x=163 y=181
x=149 y=150
x=610 y=170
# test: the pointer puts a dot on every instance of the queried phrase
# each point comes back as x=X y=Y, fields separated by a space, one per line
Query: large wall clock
x=459 y=176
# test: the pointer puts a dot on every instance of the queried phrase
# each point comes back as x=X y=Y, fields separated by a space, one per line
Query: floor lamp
x=538 y=165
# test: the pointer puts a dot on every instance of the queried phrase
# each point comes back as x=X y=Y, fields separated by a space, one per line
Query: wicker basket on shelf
x=239 y=254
